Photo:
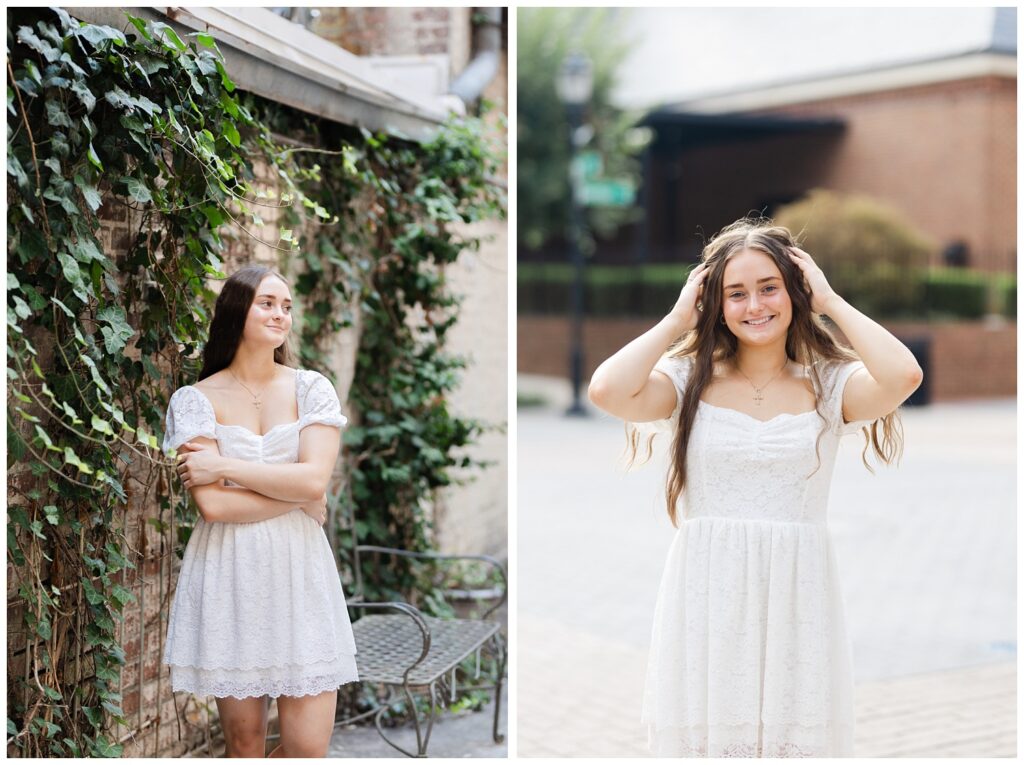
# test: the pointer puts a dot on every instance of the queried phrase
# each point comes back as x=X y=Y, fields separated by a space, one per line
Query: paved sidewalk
x=467 y=734
x=926 y=554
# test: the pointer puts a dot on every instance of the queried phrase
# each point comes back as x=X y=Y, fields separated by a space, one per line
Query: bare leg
x=307 y=723
x=245 y=725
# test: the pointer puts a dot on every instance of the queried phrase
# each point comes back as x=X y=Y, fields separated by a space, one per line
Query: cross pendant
x=758 y=397
x=256 y=404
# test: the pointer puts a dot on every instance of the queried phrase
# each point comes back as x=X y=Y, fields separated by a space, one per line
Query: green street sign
x=607 y=193
x=587 y=165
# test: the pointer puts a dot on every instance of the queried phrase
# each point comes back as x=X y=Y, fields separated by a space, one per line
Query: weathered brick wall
x=968 y=359
x=162 y=724
x=399 y=31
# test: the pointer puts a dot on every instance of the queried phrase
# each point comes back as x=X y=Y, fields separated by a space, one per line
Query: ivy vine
x=105 y=320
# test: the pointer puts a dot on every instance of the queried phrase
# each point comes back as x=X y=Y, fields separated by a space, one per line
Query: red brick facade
x=945 y=154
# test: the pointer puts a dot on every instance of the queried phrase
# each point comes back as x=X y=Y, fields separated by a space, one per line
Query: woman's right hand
x=685 y=310
x=317 y=509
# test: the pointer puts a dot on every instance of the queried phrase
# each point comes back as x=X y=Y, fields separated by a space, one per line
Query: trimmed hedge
x=652 y=289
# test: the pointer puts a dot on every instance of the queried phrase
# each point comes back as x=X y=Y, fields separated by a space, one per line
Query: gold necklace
x=758 y=392
x=255 y=397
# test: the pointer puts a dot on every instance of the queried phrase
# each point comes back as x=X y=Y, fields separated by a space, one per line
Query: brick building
x=935 y=139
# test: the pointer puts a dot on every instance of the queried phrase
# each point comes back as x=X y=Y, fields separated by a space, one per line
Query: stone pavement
x=466 y=734
x=926 y=553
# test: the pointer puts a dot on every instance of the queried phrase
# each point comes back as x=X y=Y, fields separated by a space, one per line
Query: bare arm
x=626 y=384
x=218 y=503
x=300 y=481
x=892 y=373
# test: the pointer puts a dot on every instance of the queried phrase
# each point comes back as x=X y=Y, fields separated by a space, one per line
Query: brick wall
x=399 y=31
x=160 y=723
x=944 y=154
x=968 y=359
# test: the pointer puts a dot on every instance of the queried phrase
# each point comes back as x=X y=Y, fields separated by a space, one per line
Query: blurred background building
x=798 y=119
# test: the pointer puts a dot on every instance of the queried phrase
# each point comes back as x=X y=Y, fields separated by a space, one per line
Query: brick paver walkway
x=926 y=554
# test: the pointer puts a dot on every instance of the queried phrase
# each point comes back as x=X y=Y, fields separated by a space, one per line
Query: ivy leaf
x=229 y=86
x=117 y=334
x=70 y=458
x=98 y=423
x=105 y=749
x=33 y=72
x=14 y=168
x=149 y=107
x=52 y=514
x=63 y=307
x=56 y=115
x=21 y=308
x=122 y=595
x=231 y=134
x=96 y=378
x=140 y=25
x=206 y=40
x=97 y=34
x=74 y=275
x=27 y=36
x=163 y=30
x=84 y=95
x=86 y=251
x=147 y=439
x=94 y=159
x=89 y=192
x=137 y=189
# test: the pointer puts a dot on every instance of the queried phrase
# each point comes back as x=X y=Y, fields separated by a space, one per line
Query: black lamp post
x=574 y=84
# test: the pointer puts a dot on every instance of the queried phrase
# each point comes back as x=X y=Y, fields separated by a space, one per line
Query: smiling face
x=755 y=302
x=270 y=316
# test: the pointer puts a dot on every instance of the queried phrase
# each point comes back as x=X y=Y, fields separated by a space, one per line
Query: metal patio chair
x=406 y=651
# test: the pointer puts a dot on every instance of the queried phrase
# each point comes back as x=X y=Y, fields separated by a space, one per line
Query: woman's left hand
x=821 y=293
x=199 y=465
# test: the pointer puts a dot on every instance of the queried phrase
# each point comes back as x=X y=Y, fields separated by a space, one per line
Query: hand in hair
x=821 y=292
x=685 y=309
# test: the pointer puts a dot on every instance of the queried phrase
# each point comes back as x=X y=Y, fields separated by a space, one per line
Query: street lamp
x=574 y=85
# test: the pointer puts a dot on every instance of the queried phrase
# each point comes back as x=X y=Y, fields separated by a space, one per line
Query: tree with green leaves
x=545 y=37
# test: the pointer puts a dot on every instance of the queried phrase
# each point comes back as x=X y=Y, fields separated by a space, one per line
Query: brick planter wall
x=968 y=359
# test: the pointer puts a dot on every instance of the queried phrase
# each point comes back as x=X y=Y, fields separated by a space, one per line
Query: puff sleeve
x=189 y=415
x=678 y=370
x=839 y=375
x=320 y=403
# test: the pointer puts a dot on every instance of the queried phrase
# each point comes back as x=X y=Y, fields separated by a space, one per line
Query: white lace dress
x=749 y=653
x=258 y=607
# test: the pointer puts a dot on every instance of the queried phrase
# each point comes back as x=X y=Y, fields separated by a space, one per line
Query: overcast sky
x=685 y=52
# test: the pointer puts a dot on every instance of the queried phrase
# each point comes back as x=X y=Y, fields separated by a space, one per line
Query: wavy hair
x=808 y=341
x=229 y=316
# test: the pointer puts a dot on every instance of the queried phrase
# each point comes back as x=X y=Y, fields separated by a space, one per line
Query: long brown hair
x=229 y=315
x=808 y=341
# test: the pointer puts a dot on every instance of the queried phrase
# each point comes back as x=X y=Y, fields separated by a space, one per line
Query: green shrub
x=955 y=292
x=869 y=253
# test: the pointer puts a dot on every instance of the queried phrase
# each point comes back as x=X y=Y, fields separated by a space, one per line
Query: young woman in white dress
x=749 y=653
x=259 y=610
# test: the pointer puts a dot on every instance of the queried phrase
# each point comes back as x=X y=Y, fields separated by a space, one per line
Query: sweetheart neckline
x=755 y=419
x=253 y=433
